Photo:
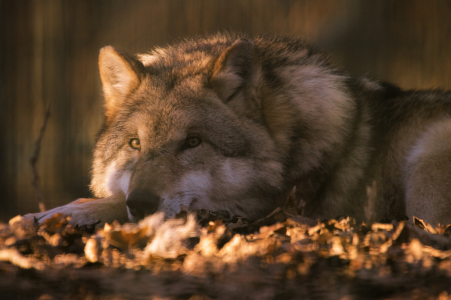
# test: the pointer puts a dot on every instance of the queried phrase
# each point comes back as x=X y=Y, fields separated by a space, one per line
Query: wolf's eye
x=192 y=142
x=135 y=144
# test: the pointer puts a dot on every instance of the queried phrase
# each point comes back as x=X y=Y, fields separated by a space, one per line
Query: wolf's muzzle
x=142 y=203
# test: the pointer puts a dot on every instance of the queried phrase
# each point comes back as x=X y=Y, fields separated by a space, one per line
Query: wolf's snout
x=142 y=203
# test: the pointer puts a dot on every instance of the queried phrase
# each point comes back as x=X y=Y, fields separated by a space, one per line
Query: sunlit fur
x=271 y=113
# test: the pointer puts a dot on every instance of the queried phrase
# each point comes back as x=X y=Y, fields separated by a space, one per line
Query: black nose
x=142 y=202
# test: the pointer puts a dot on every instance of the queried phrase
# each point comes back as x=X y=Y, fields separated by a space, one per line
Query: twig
x=34 y=160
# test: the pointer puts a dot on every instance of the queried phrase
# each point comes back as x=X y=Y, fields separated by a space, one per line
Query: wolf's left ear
x=236 y=68
x=120 y=75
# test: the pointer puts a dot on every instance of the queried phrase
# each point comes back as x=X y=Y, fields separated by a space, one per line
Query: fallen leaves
x=220 y=256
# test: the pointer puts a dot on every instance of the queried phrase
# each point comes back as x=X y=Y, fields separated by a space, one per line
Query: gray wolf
x=230 y=123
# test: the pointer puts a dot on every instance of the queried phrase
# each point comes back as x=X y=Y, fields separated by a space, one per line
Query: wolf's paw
x=88 y=212
x=80 y=215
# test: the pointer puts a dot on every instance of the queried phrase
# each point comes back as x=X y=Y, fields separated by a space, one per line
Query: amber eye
x=192 y=142
x=135 y=144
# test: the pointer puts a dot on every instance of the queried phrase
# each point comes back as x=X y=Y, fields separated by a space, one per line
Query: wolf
x=235 y=123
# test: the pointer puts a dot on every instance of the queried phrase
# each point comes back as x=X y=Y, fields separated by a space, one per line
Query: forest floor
x=214 y=256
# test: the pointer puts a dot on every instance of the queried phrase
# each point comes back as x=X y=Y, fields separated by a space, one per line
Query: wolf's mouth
x=193 y=203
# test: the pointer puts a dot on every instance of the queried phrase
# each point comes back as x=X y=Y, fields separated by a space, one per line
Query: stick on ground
x=34 y=160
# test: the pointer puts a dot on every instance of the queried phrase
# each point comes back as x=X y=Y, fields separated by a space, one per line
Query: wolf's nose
x=142 y=203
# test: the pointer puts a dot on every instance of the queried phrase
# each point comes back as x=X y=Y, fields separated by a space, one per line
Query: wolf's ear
x=120 y=75
x=235 y=68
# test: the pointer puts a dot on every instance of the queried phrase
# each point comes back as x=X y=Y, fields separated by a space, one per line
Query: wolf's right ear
x=120 y=75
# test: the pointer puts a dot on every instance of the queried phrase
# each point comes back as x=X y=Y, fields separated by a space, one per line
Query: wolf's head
x=223 y=123
x=184 y=130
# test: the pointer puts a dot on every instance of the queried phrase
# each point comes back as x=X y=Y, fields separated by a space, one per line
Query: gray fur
x=271 y=113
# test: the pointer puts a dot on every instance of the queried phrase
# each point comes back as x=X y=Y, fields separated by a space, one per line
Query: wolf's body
x=227 y=123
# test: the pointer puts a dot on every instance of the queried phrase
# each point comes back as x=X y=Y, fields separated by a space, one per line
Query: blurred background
x=49 y=49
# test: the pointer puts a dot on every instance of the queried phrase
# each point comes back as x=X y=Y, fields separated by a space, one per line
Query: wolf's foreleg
x=89 y=211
